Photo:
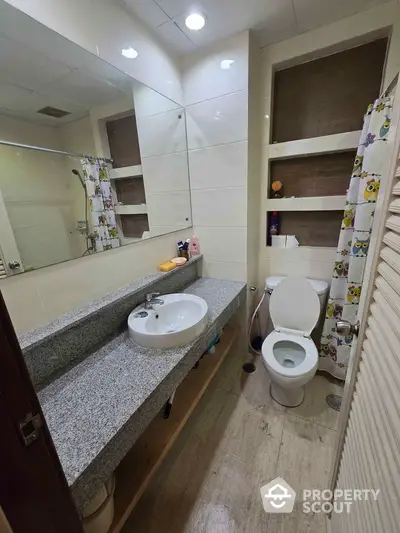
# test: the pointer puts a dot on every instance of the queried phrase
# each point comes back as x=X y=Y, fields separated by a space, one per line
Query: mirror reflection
x=90 y=159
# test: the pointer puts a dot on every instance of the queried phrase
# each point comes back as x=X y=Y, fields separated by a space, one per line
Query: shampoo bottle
x=194 y=246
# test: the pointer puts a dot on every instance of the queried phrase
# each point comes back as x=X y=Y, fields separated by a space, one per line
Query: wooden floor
x=237 y=440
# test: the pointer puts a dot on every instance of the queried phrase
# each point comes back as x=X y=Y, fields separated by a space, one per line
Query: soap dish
x=179 y=261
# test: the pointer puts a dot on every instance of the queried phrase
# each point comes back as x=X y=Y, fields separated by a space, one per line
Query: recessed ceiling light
x=130 y=53
x=226 y=63
x=195 y=21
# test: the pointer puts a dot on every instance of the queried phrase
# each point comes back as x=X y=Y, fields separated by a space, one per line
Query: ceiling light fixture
x=195 y=21
x=226 y=63
x=129 y=53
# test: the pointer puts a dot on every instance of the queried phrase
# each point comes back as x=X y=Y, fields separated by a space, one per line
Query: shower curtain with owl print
x=346 y=285
x=102 y=213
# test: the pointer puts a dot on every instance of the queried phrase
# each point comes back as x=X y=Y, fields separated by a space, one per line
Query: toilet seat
x=295 y=305
x=307 y=364
x=294 y=310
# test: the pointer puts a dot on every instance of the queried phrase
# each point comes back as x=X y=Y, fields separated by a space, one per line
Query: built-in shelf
x=312 y=203
x=339 y=142
x=328 y=95
x=126 y=172
x=139 y=466
x=140 y=209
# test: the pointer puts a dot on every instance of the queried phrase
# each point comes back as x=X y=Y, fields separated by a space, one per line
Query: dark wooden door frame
x=34 y=494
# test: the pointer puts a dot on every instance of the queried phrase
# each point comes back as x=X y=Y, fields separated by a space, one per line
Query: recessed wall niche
x=319 y=175
x=327 y=95
x=123 y=141
x=311 y=228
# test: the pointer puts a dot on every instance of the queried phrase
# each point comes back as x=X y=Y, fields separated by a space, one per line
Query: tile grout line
x=310 y=421
x=280 y=444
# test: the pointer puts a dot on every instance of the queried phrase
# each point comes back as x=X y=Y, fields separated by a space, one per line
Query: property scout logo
x=279 y=497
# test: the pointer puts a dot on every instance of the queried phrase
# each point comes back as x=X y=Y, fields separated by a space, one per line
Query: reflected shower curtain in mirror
x=351 y=255
x=102 y=212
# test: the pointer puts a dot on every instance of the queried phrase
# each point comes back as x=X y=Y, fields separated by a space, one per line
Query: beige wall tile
x=220 y=207
x=223 y=244
x=232 y=271
x=35 y=298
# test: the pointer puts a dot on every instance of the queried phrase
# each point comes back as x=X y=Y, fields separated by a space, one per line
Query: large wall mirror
x=90 y=159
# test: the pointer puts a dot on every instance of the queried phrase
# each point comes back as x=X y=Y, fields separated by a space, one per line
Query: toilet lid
x=294 y=304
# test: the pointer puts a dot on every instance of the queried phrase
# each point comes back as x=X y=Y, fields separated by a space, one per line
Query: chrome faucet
x=150 y=300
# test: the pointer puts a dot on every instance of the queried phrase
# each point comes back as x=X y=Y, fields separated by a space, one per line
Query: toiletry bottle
x=273 y=226
x=183 y=250
x=194 y=245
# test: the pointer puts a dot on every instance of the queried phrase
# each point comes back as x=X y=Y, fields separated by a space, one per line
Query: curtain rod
x=59 y=152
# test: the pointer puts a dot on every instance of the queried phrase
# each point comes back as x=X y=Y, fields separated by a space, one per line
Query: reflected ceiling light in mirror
x=129 y=53
x=195 y=21
x=226 y=63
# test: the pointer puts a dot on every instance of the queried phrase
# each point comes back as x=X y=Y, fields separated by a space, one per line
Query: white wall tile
x=149 y=102
x=223 y=244
x=24 y=302
x=219 y=166
x=308 y=269
x=231 y=271
x=218 y=121
x=220 y=207
x=166 y=173
x=302 y=253
x=205 y=77
x=169 y=209
x=162 y=134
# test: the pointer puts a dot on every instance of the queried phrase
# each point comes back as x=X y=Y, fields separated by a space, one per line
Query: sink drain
x=249 y=368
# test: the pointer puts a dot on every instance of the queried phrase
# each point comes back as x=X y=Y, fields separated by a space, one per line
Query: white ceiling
x=272 y=20
x=39 y=72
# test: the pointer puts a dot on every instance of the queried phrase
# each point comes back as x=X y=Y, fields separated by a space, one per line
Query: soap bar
x=166 y=267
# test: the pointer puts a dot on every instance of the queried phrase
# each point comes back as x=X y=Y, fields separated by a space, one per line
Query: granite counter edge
x=98 y=471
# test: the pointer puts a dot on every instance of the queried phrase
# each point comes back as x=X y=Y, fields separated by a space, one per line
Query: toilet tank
x=271 y=283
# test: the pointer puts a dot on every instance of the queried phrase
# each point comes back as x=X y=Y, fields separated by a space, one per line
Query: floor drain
x=249 y=368
x=334 y=401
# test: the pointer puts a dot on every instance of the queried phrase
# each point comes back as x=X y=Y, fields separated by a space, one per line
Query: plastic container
x=194 y=246
x=99 y=513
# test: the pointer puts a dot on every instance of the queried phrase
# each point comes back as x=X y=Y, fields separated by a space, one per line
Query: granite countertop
x=97 y=410
x=32 y=338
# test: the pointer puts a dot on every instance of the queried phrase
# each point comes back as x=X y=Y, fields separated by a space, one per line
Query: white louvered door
x=3 y=273
x=368 y=453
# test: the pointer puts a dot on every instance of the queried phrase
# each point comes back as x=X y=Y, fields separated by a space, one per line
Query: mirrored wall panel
x=90 y=159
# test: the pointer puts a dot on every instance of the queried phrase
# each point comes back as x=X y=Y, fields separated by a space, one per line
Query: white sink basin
x=176 y=322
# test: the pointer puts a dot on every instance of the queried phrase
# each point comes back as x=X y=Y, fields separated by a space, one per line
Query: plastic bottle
x=194 y=246
x=273 y=228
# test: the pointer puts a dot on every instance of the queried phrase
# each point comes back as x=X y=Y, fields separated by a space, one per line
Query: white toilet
x=289 y=354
